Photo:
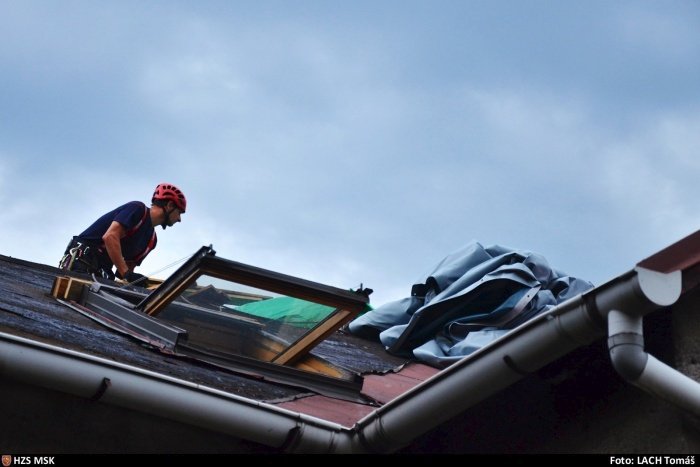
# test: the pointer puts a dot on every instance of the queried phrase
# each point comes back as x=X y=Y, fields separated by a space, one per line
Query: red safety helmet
x=168 y=192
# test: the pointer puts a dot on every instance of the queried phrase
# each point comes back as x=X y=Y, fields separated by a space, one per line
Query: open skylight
x=234 y=315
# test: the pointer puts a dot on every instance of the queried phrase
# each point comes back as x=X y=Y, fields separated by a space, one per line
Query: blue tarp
x=470 y=298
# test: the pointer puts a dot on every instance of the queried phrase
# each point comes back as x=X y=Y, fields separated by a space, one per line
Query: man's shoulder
x=134 y=204
x=129 y=213
x=132 y=207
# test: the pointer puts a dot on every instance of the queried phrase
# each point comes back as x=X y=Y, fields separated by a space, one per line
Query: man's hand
x=134 y=278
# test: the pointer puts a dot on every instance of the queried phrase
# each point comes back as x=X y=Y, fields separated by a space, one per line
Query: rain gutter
x=134 y=388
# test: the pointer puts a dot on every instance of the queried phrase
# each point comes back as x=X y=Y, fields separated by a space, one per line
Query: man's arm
x=112 y=239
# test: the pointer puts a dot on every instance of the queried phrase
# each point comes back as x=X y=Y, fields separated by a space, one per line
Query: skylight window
x=269 y=316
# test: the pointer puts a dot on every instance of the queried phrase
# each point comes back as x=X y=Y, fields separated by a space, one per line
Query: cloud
x=347 y=147
x=649 y=176
x=668 y=34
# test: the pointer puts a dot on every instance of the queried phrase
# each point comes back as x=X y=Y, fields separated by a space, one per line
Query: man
x=123 y=237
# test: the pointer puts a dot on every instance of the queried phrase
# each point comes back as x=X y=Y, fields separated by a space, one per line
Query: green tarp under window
x=288 y=310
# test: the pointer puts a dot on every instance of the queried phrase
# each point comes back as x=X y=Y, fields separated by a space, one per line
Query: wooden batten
x=68 y=288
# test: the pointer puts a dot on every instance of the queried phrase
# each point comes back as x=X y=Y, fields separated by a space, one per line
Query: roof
x=47 y=343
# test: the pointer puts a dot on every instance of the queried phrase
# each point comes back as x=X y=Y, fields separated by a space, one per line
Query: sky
x=355 y=142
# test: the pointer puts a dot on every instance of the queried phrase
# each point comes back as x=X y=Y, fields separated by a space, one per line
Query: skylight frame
x=346 y=304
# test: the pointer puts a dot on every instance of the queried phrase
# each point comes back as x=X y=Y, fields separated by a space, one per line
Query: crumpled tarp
x=469 y=299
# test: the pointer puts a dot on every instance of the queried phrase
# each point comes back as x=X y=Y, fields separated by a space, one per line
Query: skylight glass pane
x=229 y=317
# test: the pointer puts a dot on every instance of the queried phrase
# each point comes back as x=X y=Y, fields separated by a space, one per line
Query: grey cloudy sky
x=354 y=142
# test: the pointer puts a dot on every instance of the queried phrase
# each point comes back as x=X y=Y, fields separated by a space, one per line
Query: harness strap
x=133 y=230
x=149 y=247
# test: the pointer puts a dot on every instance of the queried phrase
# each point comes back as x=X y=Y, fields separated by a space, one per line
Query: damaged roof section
x=269 y=335
x=28 y=310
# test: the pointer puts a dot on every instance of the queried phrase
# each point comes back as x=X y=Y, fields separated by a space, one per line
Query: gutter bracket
x=104 y=385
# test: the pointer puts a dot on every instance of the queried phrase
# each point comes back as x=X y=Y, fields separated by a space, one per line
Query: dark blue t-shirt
x=129 y=215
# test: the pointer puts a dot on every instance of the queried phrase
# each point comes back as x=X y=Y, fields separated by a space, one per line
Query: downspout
x=635 y=365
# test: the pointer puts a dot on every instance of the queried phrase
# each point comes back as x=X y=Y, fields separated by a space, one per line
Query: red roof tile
x=386 y=387
x=380 y=388
x=681 y=255
x=335 y=410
